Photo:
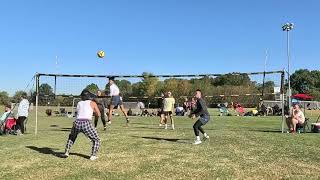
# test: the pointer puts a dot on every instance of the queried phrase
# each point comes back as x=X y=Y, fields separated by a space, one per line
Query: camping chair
x=302 y=127
x=223 y=111
x=241 y=111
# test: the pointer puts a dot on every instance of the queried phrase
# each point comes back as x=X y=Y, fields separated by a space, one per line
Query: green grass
x=239 y=148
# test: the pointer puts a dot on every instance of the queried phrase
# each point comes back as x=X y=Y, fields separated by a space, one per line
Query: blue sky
x=159 y=36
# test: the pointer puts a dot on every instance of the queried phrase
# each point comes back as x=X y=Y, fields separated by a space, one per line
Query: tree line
x=302 y=81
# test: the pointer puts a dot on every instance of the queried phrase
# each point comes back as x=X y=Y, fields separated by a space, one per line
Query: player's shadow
x=51 y=151
x=265 y=130
x=62 y=129
x=175 y=140
x=145 y=127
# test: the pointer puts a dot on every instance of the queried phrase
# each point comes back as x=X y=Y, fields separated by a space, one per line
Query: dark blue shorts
x=116 y=101
x=204 y=119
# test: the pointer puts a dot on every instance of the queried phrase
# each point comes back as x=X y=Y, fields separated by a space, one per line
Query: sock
x=198 y=138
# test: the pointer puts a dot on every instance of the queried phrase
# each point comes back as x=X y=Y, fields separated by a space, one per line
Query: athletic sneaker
x=66 y=155
x=160 y=125
x=109 y=122
x=205 y=137
x=93 y=158
x=196 y=142
x=105 y=128
x=128 y=120
x=166 y=126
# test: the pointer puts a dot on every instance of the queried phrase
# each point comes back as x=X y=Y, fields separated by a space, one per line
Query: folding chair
x=302 y=127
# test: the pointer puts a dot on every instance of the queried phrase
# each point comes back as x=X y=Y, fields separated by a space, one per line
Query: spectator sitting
x=180 y=111
x=145 y=113
x=240 y=110
x=130 y=113
x=7 y=119
x=296 y=117
x=7 y=114
x=276 y=110
x=141 y=106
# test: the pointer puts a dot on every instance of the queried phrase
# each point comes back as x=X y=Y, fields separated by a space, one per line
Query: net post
x=282 y=100
x=55 y=86
x=37 y=103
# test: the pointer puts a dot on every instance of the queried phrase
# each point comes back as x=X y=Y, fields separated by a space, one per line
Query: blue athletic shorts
x=116 y=101
x=204 y=119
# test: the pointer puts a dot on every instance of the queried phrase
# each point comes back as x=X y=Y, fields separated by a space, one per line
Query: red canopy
x=302 y=97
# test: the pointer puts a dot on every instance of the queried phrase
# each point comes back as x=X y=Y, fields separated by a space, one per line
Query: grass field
x=239 y=148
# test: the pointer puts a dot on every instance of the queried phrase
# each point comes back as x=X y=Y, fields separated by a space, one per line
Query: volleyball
x=100 y=54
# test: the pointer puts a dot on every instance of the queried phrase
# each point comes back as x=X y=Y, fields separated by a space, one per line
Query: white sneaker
x=109 y=122
x=196 y=142
x=205 y=137
x=66 y=155
x=160 y=125
x=166 y=126
x=93 y=158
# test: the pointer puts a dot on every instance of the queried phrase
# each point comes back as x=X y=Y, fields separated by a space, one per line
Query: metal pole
x=282 y=101
x=37 y=104
x=55 y=86
x=73 y=102
x=264 y=74
x=289 y=83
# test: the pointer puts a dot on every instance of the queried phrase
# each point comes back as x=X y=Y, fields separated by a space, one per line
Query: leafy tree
x=125 y=87
x=149 y=84
x=205 y=84
x=231 y=79
x=137 y=89
x=300 y=78
x=17 y=95
x=4 y=97
x=45 y=89
x=93 y=88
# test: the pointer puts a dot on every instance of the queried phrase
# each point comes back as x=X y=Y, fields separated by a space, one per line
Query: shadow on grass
x=265 y=130
x=51 y=151
x=144 y=127
x=175 y=140
x=62 y=129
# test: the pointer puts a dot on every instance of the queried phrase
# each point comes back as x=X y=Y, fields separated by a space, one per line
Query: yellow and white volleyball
x=100 y=54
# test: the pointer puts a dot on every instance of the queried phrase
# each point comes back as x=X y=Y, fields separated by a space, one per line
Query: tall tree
x=149 y=84
x=93 y=88
x=231 y=79
x=17 y=95
x=302 y=78
x=125 y=87
x=45 y=89
x=4 y=97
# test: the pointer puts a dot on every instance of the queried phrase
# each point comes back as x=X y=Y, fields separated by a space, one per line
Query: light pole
x=288 y=27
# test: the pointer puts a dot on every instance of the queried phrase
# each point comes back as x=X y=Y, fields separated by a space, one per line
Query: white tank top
x=84 y=110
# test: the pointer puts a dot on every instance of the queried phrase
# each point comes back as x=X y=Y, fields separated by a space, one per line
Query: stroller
x=7 y=127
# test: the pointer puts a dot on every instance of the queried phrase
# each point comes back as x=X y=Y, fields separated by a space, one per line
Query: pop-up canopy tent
x=302 y=97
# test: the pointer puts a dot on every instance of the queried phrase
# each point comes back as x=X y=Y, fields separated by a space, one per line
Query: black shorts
x=167 y=113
